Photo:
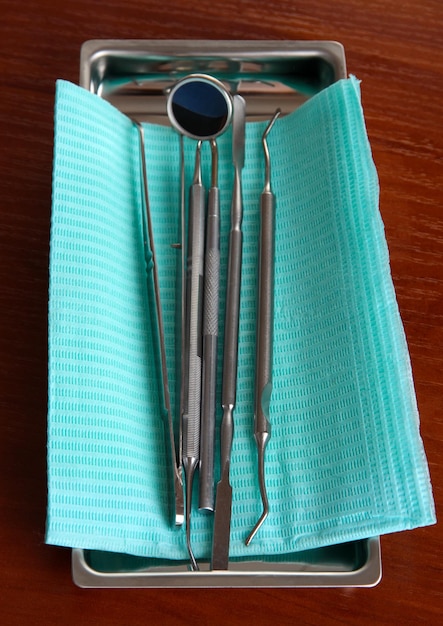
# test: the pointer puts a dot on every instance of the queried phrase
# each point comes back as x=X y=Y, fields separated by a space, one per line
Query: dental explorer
x=265 y=323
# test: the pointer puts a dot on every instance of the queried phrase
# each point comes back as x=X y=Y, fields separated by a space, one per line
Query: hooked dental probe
x=265 y=323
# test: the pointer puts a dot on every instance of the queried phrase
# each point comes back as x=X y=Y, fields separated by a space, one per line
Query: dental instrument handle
x=265 y=321
x=229 y=386
x=210 y=340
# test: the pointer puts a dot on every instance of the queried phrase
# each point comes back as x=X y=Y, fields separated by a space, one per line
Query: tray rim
x=93 y=49
x=368 y=575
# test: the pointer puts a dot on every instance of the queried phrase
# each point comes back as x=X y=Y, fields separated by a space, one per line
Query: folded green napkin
x=345 y=460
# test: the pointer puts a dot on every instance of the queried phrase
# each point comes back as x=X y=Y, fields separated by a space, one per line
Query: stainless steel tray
x=134 y=76
x=354 y=564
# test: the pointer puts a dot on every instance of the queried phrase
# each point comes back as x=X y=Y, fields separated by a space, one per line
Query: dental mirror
x=199 y=107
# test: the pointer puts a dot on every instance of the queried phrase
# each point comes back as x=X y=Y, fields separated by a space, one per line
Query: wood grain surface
x=395 y=47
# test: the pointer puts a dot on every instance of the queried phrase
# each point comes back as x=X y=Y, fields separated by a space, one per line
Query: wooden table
x=395 y=47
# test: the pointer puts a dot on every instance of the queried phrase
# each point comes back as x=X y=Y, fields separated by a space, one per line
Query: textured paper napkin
x=345 y=460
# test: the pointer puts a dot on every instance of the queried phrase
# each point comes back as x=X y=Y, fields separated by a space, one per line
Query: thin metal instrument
x=175 y=474
x=265 y=324
x=194 y=294
x=210 y=338
x=180 y=324
x=223 y=501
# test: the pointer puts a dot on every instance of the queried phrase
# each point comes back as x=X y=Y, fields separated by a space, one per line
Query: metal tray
x=354 y=564
x=134 y=76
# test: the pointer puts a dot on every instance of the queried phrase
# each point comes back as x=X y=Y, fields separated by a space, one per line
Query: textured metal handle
x=212 y=264
x=191 y=421
x=210 y=337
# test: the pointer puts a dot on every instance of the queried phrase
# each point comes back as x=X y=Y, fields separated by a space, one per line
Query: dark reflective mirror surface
x=199 y=107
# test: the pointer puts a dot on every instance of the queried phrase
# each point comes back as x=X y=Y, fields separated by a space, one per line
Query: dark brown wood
x=395 y=47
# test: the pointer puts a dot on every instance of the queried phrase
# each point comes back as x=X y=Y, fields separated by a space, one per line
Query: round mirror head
x=199 y=107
